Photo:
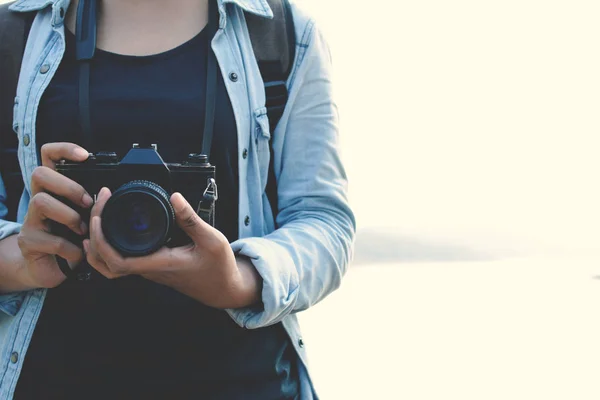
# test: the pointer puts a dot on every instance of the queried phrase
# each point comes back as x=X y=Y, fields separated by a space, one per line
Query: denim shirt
x=303 y=260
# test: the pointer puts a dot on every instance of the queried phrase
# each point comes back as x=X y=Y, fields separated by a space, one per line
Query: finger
x=104 y=251
x=52 y=153
x=101 y=200
x=45 y=207
x=187 y=219
x=163 y=259
x=94 y=259
x=44 y=179
x=36 y=241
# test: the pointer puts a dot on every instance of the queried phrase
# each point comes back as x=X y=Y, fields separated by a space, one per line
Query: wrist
x=14 y=276
x=24 y=278
x=248 y=285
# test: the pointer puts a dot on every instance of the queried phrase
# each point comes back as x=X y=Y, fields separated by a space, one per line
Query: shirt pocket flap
x=262 y=123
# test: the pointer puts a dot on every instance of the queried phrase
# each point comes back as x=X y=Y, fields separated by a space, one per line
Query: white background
x=471 y=121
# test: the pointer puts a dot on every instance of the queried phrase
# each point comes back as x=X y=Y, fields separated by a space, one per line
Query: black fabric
x=273 y=40
x=131 y=338
x=211 y=73
x=14 y=28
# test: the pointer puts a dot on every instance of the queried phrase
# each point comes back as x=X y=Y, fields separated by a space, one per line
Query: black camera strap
x=85 y=47
x=211 y=81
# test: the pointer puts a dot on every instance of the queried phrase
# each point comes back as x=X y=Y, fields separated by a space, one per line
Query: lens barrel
x=138 y=218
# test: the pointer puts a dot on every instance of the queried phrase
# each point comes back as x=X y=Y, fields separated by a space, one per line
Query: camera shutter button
x=106 y=157
x=197 y=158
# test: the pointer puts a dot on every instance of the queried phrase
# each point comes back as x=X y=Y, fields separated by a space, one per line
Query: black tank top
x=131 y=338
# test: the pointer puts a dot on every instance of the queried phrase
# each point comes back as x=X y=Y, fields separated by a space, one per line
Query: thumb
x=186 y=217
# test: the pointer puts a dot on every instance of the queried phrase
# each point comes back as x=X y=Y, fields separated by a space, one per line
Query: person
x=214 y=319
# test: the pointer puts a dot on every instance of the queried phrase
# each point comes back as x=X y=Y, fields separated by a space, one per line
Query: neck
x=141 y=27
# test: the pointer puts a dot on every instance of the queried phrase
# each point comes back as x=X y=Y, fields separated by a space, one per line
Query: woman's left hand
x=206 y=270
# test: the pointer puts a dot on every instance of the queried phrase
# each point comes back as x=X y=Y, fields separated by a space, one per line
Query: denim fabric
x=300 y=262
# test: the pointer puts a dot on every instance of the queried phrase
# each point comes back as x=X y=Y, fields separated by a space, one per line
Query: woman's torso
x=20 y=311
x=98 y=337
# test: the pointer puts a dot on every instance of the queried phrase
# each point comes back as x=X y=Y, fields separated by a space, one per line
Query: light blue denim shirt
x=305 y=258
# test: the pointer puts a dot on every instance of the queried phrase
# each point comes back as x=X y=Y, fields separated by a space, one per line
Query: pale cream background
x=474 y=121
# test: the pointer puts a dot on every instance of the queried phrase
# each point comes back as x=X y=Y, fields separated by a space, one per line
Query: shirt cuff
x=10 y=303
x=280 y=283
x=8 y=228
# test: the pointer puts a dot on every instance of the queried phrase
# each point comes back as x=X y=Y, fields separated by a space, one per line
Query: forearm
x=13 y=274
x=240 y=287
x=250 y=284
x=244 y=289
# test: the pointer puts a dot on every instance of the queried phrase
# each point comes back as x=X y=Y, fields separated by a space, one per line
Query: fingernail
x=83 y=226
x=103 y=193
x=81 y=153
x=87 y=200
x=86 y=247
x=176 y=198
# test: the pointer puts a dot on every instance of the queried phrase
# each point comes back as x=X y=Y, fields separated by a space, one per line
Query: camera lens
x=138 y=218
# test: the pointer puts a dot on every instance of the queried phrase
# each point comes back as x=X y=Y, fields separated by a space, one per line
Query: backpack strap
x=274 y=45
x=14 y=28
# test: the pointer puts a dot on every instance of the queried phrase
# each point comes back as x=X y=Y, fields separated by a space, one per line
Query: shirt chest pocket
x=262 y=141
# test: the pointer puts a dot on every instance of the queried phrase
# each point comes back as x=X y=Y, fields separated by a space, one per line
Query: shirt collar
x=258 y=7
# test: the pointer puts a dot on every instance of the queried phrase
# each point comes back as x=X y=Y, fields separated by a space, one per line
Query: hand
x=38 y=246
x=206 y=270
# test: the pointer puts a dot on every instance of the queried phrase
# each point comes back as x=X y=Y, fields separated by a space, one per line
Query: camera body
x=138 y=219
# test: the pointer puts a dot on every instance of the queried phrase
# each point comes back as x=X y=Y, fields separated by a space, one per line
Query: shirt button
x=301 y=342
x=233 y=77
x=247 y=220
x=245 y=153
x=44 y=68
x=14 y=357
x=26 y=140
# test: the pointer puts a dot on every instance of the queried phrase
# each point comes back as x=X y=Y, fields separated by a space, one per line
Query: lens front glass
x=137 y=220
x=143 y=219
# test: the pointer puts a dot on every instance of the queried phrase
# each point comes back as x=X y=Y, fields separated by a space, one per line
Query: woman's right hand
x=38 y=245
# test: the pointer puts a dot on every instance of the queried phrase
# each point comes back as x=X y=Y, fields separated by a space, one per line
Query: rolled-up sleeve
x=7 y=228
x=305 y=259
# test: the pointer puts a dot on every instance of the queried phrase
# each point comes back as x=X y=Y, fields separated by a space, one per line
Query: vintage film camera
x=138 y=219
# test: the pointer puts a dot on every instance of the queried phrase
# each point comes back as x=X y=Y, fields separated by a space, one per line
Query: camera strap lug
x=206 y=208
